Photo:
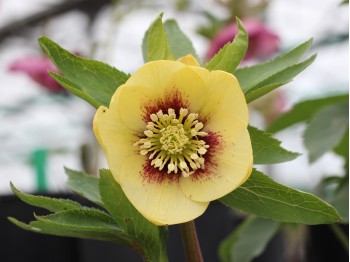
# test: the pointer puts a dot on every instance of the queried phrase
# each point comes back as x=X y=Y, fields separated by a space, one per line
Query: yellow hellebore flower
x=175 y=137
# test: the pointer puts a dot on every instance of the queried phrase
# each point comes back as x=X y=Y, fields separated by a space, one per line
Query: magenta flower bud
x=37 y=69
x=262 y=41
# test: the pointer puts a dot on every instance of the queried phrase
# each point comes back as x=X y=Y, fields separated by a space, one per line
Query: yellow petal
x=193 y=89
x=95 y=125
x=115 y=139
x=99 y=114
x=230 y=168
x=189 y=60
x=155 y=74
x=224 y=92
x=183 y=88
x=161 y=202
x=142 y=87
x=225 y=102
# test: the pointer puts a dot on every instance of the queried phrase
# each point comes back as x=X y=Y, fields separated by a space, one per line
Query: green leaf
x=97 y=80
x=51 y=204
x=73 y=88
x=250 y=77
x=304 y=111
x=179 y=44
x=147 y=237
x=255 y=94
x=84 y=185
x=155 y=44
x=87 y=223
x=231 y=55
x=264 y=197
x=267 y=150
x=277 y=79
x=326 y=129
x=248 y=240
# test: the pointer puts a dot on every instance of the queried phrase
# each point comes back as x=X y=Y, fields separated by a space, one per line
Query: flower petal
x=189 y=60
x=225 y=102
x=183 y=87
x=115 y=139
x=161 y=202
x=192 y=88
x=230 y=168
x=142 y=87
x=155 y=74
x=225 y=95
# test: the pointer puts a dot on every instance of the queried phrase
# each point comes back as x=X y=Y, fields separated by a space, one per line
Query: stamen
x=148 y=133
x=202 y=150
x=154 y=117
x=174 y=142
x=171 y=167
x=147 y=145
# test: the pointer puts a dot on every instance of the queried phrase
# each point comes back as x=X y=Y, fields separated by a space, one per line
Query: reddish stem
x=190 y=242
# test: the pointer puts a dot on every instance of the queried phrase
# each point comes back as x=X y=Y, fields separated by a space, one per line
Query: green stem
x=190 y=242
x=340 y=235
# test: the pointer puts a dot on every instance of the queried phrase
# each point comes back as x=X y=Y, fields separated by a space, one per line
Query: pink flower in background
x=37 y=69
x=262 y=41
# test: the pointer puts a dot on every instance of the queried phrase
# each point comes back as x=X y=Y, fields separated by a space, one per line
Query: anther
x=154 y=117
x=148 y=133
x=147 y=145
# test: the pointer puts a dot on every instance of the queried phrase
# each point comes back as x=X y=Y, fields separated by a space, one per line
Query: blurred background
x=44 y=128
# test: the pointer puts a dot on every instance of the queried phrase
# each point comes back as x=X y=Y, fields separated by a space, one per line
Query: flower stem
x=190 y=242
x=340 y=235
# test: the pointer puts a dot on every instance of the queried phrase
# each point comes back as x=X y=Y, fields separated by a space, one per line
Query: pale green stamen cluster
x=174 y=142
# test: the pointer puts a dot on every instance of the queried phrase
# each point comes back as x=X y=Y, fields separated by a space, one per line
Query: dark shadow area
x=323 y=245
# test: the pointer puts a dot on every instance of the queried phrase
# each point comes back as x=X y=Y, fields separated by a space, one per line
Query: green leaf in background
x=84 y=185
x=213 y=26
x=144 y=47
x=87 y=223
x=51 y=204
x=342 y=149
x=263 y=197
x=326 y=129
x=251 y=77
x=248 y=240
x=303 y=111
x=278 y=79
x=335 y=190
x=97 y=80
x=231 y=55
x=146 y=236
x=155 y=44
x=179 y=44
x=267 y=150
x=340 y=200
